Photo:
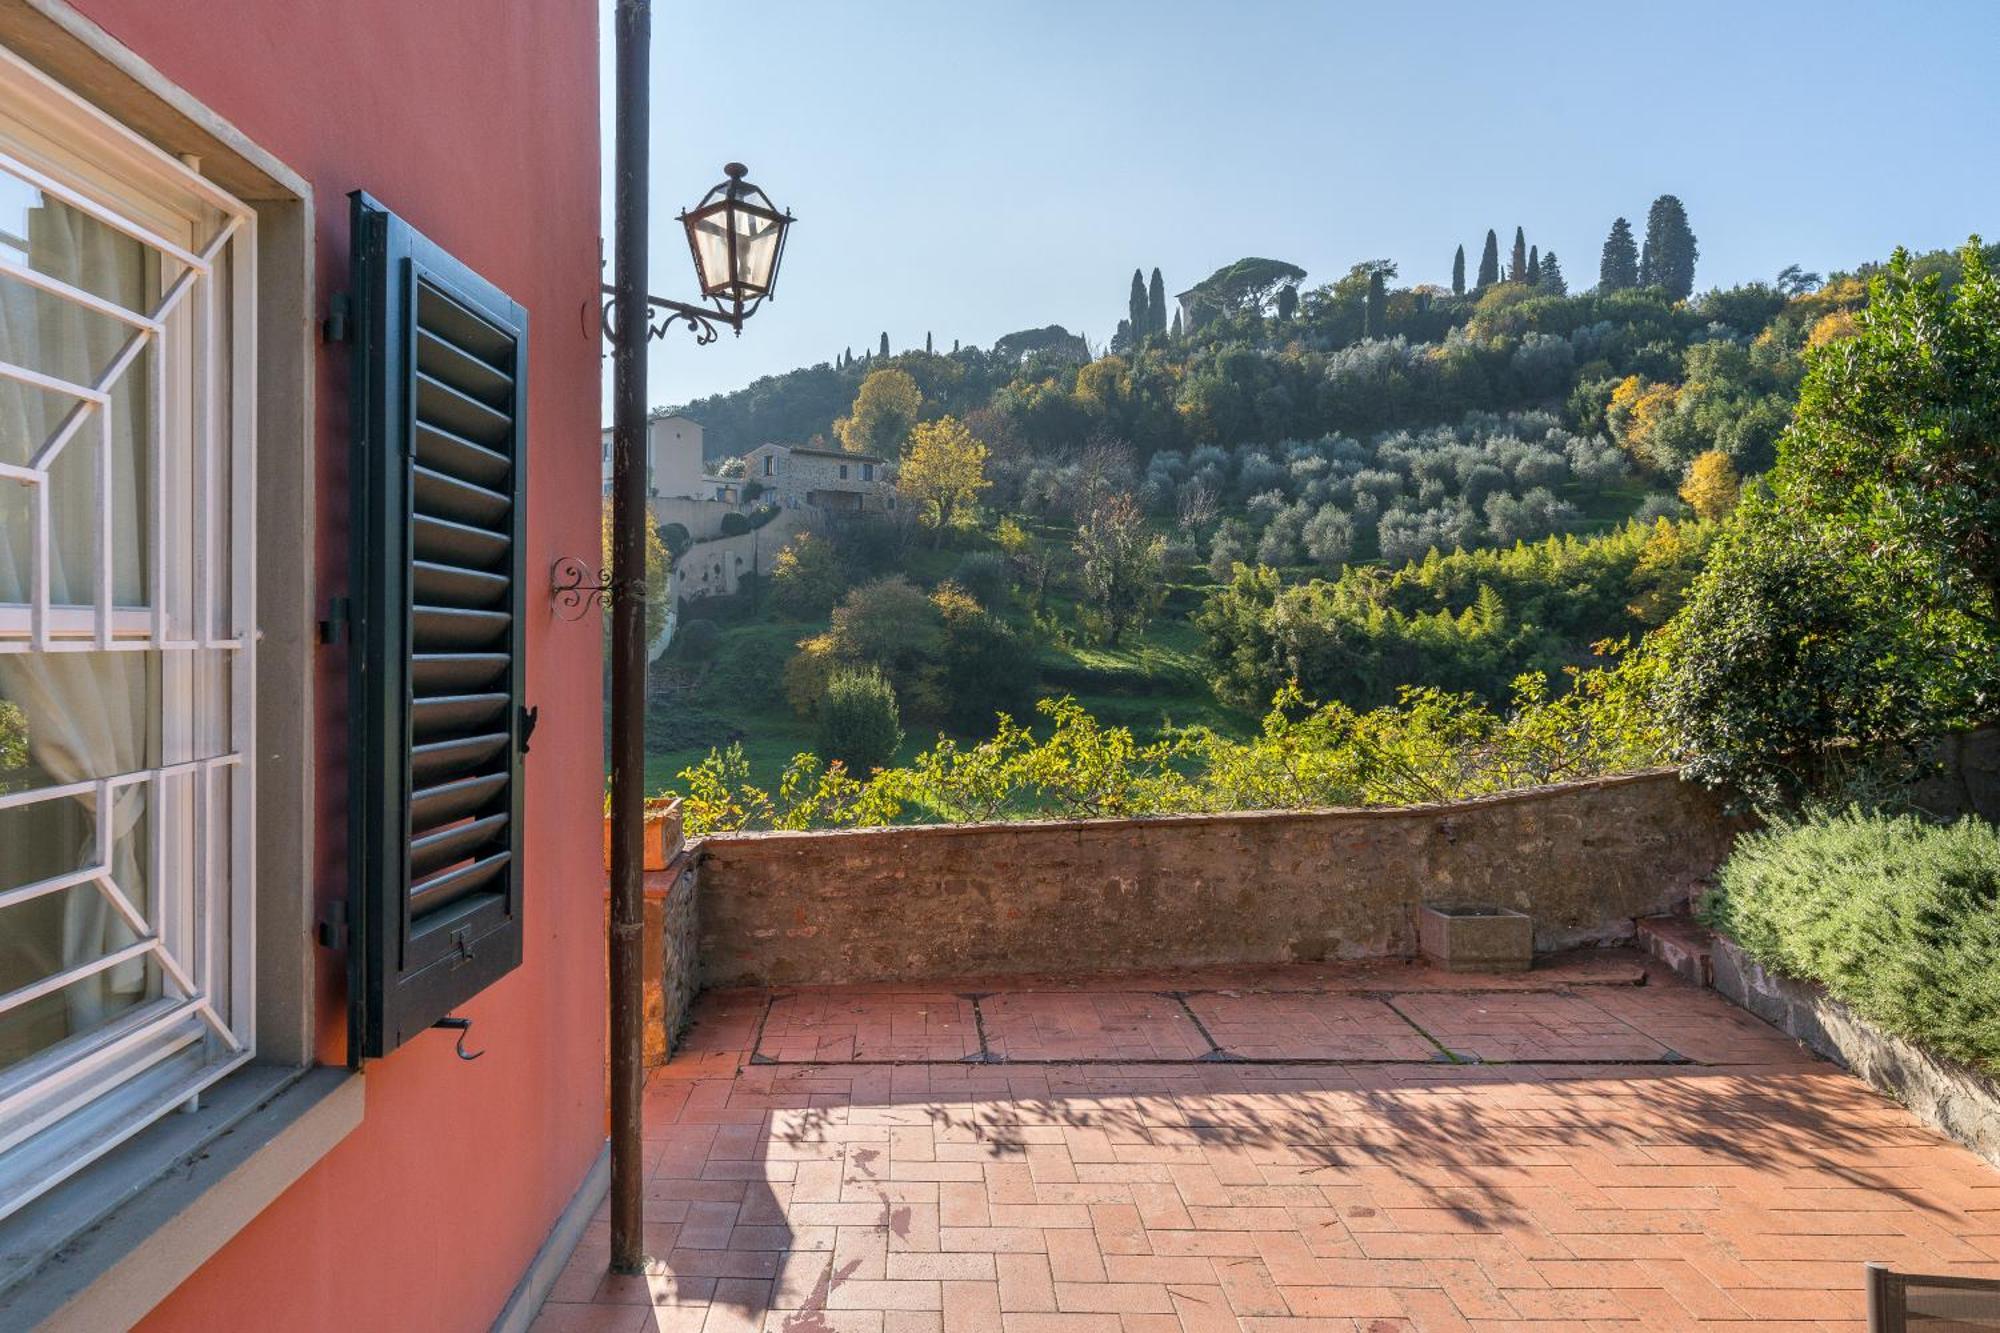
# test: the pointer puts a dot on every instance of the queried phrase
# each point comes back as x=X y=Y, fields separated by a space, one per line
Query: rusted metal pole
x=634 y=19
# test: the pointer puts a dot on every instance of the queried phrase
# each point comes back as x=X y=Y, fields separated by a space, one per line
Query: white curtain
x=87 y=714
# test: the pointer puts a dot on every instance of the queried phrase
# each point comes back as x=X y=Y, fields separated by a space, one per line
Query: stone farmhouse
x=832 y=480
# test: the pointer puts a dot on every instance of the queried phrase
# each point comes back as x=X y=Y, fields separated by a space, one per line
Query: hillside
x=1356 y=486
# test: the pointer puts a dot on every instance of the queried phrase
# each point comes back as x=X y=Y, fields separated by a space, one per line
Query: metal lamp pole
x=736 y=238
x=632 y=170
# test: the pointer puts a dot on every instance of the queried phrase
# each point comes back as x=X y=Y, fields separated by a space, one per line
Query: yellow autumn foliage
x=1830 y=328
x=1712 y=485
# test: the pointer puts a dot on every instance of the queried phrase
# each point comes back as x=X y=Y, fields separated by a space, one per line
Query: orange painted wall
x=477 y=121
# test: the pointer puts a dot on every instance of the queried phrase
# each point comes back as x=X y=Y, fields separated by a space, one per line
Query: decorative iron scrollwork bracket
x=662 y=315
x=575 y=587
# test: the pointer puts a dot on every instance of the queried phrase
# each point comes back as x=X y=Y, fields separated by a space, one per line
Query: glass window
x=125 y=648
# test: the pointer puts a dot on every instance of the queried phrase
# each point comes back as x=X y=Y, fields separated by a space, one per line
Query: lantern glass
x=756 y=251
x=737 y=238
x=709 y=235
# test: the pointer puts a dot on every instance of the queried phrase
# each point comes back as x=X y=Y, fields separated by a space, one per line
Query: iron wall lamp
x=736 y=236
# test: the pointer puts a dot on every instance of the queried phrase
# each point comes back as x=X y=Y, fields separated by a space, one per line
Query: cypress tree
x=1176 y=333
x=1552 y=276
x=1138 y=307
x=1156 y=305
x=1489 y=261
x=1619 y=269
x=1288 y=301
x=954 y=347
x=1458 y=272
x=927 y=342
x=885 y=343
x=1374 y=315
x=1668 y=260
x=1517 y=263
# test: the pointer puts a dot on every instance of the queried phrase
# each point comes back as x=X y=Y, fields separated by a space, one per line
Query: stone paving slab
x=1101 y=1025
x=1523 y=1025
x=1133 y=1190
x=1307 y=1026
x=821 y=1025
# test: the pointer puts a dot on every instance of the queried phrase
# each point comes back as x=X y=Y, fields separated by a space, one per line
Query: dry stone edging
x=1959 y=1102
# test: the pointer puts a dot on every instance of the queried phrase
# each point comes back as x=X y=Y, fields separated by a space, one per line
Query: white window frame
x=67 y=1106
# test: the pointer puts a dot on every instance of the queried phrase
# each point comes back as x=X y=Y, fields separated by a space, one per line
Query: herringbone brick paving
x=1292 y=1152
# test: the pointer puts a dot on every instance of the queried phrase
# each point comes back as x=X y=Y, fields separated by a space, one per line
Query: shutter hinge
x=529 y=718
x=332 y=929
x=334 y=327
x=333 y=629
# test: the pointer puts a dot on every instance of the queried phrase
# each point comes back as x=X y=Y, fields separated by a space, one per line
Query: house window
x=867 y=472
x=843 y=472
x=768 y=460
x=127 y=645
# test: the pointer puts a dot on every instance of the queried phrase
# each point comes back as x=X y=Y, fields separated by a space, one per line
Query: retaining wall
x=960 y=901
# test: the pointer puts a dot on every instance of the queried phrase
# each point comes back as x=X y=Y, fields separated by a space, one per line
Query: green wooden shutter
x=437 y=662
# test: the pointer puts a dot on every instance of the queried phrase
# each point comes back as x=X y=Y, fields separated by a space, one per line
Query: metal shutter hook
x=462 y=1026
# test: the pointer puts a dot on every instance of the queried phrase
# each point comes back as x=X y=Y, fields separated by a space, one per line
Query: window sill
x=108 y=1245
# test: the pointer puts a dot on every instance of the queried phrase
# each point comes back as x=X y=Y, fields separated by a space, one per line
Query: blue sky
x=972 y=169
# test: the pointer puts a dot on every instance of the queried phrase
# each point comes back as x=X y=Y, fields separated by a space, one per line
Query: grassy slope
x=1156 y=680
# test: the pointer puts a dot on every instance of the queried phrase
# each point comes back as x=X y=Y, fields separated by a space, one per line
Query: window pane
x=77 y=1009
x=44 y=839
x=73 y=511
x=72 y=927
x=53 y=335
x=51 y=237
x=17 y=533
x=70 y=717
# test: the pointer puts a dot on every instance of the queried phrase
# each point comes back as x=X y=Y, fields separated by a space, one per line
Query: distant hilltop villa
x=790 y=476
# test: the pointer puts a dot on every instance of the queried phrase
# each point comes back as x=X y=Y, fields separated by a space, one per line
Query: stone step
x=1682 y=943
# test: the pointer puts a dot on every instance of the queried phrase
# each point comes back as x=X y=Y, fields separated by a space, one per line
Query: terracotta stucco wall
x=991 y=900
x=478 y=123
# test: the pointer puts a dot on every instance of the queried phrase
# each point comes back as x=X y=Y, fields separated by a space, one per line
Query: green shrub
x=807 y=577
x=986 y=575
x=676 y=538
x=695 y=640
x=1796 y=670
x=734 y=524
x=1897 y=917
x=987 y=669
x=859 y=723
x=750 y=665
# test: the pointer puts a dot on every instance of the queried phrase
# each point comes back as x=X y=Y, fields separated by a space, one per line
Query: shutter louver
x=437 y=661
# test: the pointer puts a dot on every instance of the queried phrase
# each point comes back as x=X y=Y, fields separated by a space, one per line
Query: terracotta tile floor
x=1373 y=1147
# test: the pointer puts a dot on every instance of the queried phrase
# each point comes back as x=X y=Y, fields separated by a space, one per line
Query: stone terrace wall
x=961 y=901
